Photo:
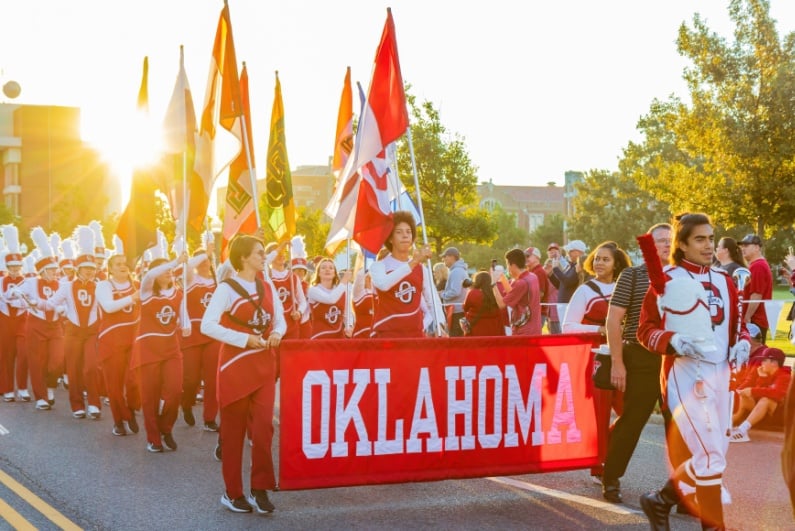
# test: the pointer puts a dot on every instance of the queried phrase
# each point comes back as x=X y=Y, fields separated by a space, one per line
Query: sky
x=534 y=88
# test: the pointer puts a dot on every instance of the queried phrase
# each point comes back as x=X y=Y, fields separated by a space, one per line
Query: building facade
x=532 y=205
x=50 y=177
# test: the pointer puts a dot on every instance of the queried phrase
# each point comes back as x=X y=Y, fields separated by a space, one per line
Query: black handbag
x=602 y=364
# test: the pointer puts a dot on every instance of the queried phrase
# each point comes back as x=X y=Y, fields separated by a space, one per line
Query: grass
x=783 y=326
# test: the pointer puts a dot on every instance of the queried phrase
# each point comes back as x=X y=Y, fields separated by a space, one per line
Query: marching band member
x=12 y=322
x=45 y=338
x=246 y=316
x=118 y=298
x=288 y=286
x=300 y=269
x=328 y=300
x=156 y=355
x=402 y=285
x=363 y=301
x=200 y=352
x=67 y=263
x=81 y=327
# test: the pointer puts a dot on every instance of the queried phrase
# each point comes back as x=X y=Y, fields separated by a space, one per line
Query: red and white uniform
x=118 y=327
x=328 y=311
x=45 y=340
x=363 y=301
x=246 y=378
x=199 y=351
x=403 y=299
x=291 y=295
x=585 y=313
x=156 y=355
x=80 y=339
x=13 y=359
x=697 y=392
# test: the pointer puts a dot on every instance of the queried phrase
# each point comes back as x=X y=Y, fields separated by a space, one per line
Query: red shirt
x=761 y=282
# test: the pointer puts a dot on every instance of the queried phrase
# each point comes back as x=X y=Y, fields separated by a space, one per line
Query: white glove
x=739 y=353
x=686 y=346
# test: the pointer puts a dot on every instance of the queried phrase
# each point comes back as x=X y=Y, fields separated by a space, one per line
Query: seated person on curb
x=757 y=350
x=761 y=393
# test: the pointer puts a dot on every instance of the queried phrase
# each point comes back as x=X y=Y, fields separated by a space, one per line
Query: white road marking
x=612 y=507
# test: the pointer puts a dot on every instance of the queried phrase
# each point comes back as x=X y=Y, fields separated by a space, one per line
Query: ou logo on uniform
x=205 y=300
x=405 y=292
x=332 y=315
x=84 y=298
x=165 y=315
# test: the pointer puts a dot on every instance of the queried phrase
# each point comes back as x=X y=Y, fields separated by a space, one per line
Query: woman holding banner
x=246 y=316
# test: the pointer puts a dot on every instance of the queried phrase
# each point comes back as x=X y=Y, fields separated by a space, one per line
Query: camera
x=467 y=283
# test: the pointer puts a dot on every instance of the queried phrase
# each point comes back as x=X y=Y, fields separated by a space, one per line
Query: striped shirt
x=631 y=299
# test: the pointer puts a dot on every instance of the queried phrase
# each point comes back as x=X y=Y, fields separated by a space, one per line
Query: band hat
x=99 y=239
x=299 y=263
x=29 y=266
x=11 y=237
x=553 y=245
x=45 y=258
x=750 y=239
x=84 y=236
x=773 y=353
x=532 y=251
x=450 y=251
x=68 y=251
x=576 y=245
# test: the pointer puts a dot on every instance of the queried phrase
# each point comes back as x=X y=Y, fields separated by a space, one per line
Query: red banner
x=386 y=411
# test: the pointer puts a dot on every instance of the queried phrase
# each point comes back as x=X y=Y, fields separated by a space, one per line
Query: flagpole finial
x=244 y=64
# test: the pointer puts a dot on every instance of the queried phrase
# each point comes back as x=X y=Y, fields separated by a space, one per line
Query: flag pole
x=436 y=323
x=348 y=290
x=251 y=171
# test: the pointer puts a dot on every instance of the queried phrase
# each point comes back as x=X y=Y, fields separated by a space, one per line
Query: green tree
x=731 y=151
x=447 y=179
x=550 y=231
x=610 y=206
x=509 y=236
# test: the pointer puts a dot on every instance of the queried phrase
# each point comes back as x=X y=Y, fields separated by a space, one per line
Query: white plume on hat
x=297 y=247
x=84 y=235
x=42 y=242
x=29 y=265
x=11 y=237
x=99 y=239
x=3 y=253
x=55 y=244
x=118 y=246
x=68 y=249
x=160 y=249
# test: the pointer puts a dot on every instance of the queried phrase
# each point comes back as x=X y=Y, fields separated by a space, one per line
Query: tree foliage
x=730 y=151
x=447 y=180
x=610 y=206
x=550 y=231
x=509 y=236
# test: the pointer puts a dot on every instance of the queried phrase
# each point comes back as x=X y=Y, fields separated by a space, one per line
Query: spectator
x=481 y=309
x=440 y=273
x=759 y=287
x=533 y=263
x=553 y=317
x=565 y=272
x=761 y=393
x=454 y=292
x=634 y=370
x=757 y=350
x=729 y=255
x=587 y=313
x=521 y=295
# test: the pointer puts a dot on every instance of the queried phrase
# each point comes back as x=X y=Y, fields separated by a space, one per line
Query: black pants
x=642 y=392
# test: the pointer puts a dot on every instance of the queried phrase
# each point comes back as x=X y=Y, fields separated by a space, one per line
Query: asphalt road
x=57 y=472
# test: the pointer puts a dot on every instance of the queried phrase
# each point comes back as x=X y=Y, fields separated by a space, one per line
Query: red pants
x=160 y=380
x=258 y=409
x=82 y=365
x=45 y=355
x=200 y=362
x=13 y=358
x=604 y=401
x=120 y=382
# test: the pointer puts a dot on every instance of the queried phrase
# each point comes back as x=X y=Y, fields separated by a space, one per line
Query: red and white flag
x=239 y=213
x=220 y=130
x=384 y=119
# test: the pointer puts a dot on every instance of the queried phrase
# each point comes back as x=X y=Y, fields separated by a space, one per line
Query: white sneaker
x=42 y=405
x=24 y=395
x=79 y=414
x=94 y=412
x=50 y=393
x=738 y=435
x=9 y=397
